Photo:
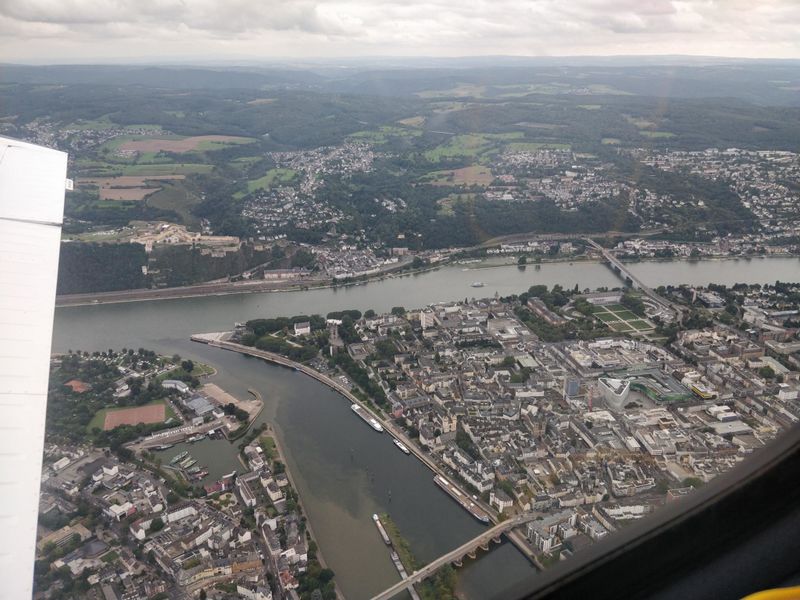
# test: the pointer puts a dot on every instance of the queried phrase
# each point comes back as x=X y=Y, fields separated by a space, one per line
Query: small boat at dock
x=179 y=457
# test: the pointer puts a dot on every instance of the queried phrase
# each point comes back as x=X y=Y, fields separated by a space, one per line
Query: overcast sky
x=103 y=30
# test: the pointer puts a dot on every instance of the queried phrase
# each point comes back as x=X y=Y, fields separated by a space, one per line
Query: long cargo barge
x=464 y=500
x=382 y=530
x=368 y=419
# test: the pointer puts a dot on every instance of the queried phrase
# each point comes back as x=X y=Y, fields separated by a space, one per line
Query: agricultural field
x=475 y=145
x=537 y=125
x=622 y=320
x=657 y=134
x=533 y=146
x=417 y=121
x=180 y=145
x=125 y=187
x=165 y=169
x=470 y=145
x=464 y=90
x=385 y=133
x=472 y=175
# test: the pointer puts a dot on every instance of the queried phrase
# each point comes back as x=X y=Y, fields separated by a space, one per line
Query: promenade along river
x=344 y=470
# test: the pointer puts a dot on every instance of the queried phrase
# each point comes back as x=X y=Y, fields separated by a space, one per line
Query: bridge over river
x=481 y=541
x=635 y=282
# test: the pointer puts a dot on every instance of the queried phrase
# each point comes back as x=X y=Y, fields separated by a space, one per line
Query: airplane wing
x=32 y=186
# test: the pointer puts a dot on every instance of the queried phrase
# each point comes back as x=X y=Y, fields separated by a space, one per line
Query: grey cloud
x=451 y=27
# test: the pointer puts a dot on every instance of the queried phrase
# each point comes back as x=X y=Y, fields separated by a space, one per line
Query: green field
x=99 y=417
x=173 y=196
x=273 y=178
x=621 y=320
x=384 y=134
x=605 y=317
x=268 y=446
x=625 y=315
x=460 y=145
x=199 y=370
x=640 y=324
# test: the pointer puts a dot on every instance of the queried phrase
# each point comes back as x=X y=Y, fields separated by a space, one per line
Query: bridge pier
x=471 y=554
x=496 y=540
x=485 y=547
x=458 y=563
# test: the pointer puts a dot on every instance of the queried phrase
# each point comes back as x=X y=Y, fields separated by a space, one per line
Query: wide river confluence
x=345 y=472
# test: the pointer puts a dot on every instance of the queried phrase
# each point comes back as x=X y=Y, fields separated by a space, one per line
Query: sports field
x=621 y=320
x=150 y=413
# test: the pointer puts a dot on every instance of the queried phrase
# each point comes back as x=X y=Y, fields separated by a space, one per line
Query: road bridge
x=481 y=541
x=635 y=282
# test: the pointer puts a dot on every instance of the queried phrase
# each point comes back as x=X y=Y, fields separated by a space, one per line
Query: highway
x=481 y=540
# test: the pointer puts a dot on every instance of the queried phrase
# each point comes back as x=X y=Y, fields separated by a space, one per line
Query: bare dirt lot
x=152 y=413
x=173 y=145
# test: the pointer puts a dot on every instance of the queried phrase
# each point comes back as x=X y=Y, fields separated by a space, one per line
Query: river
x=345 y=471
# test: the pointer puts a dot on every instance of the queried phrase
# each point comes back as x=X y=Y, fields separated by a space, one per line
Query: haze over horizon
x=81 y=31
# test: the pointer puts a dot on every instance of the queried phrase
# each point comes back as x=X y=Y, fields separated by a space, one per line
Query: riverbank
x=276 y=444
x=228 y=288
x=263 y=287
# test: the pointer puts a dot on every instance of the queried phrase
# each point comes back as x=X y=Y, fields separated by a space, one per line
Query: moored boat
x=369 y=420
x=179 y=457
x=382 y=530
x=464 y=500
